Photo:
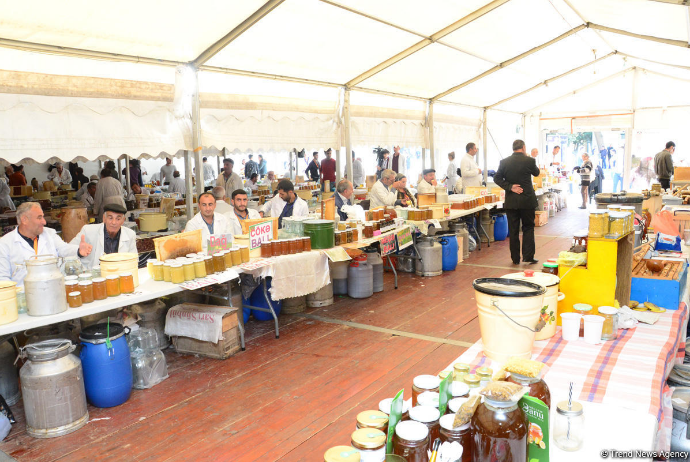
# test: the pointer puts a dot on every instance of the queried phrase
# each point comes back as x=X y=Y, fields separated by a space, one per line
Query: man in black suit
x=514 y=174
x=343 y=196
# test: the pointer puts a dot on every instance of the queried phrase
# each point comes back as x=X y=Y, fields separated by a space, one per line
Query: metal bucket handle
x=538 y=327
x=55 y=343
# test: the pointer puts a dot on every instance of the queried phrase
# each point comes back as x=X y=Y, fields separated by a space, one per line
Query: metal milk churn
x=53 y=389
x=44 y=286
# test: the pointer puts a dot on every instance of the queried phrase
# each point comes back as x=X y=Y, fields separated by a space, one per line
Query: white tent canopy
x=78 y=80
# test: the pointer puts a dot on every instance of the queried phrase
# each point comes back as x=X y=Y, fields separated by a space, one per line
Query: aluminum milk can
x=44 y=286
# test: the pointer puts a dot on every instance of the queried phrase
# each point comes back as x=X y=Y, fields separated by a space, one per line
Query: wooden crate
x=541 y=218
x=426 y=199
x=228 y=346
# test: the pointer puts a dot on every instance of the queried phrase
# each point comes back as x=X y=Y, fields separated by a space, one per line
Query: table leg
x=270 y=306
x=488 y=240
x=395 y=273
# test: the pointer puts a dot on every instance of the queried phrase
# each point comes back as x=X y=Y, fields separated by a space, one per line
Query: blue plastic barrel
x=107 y=371
x=501 y=227
x=257 y=299
x=449 y=247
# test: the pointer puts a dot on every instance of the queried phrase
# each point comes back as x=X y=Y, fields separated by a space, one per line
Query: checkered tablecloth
x=629 y=372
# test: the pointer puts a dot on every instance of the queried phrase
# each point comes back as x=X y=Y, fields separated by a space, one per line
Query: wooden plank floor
x=290 y=399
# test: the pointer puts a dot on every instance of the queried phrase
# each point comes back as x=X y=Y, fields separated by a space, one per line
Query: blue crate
x=664 y=293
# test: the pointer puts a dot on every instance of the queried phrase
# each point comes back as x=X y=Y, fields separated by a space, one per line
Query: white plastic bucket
x=509 y=311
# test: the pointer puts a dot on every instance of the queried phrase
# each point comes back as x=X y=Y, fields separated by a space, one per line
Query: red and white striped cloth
x=629 y=372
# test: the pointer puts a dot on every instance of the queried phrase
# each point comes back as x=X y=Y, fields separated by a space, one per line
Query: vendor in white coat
x=31 y=238
x=428 y=182
x=59 y=175
x=107 y=237
x=208 y=220
x=5 y=199
x=381 y=194
x=222 y=207
x=290 y=205
x=471 y=173
x=451 y=173
x=240 y=212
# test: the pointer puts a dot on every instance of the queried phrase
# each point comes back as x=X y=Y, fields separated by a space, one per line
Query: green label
x=538 y=437
x=445 y=393
x=393 y=419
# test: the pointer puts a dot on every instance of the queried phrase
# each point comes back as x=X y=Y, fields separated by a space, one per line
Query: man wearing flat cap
x=107 y=237
x=428 y=182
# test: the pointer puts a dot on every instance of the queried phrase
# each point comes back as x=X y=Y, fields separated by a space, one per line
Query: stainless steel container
x=431 y=254
x=9 y=379
x=53 y=389
x=44 y=286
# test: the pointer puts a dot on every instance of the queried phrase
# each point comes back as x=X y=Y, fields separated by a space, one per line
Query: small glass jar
x=630 y=218
x=219 y=263
x=550 y=268
x=350 y=236
x=190 y=255
x=74 y=299
x=472 y=380
x=100 y=291
x=337 y=238
x=429 y=416
x=112 y=285
x=199 y=268
x=428 y=398
x=455 y=404
x=167 y=272
x=158 y=271
x=372 y=419
x=126 y=283
x=580 y=238
x=236 y=255
x=285 y=247
x=583 y=310
x=443 y=374
x=459 y=390
x=21 y=300
x=598 y=223
x=568 y=428
x=462 y=435
x=176 y=273
x=484 y=374
x=368 y=231
x=86 y=289
x=342 y=454
x=371 y=444
x=609 y=330
x=460 y=370
x=71 y=286
x=228 y=258
x=85 y=277
x=355 y=234
x=385 y=407
x=208 y=263
x=423 y=383
x=149 y=266
x=306 y=244
x=411 y=441
x=188 y=269
x=244 y=251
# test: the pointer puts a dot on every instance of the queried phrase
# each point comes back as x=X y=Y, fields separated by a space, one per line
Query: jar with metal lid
x=550 y=268
x=126 y=283
x=598 y=223
x=385 y=407
x=459 y=371
x=537 y=387
x=74 y=299
x=609 y=330
x=630 y=210
x=372 y=419
x=371 y=444
x=428 y=398
x=86 y=289
x=71 y=286
x=166 y=272
x=583 y=310
x=199 y=268
x=499 y=427
x=472 y=380
x=219 y=262
x=568 y=428
x=176 y=273
x=443 y=374
x=461 y=434
x=100 y=291
x=617 y=224
x=484 y=374
x=580 y=239
x=112 y=285
x=423 y=383
x=411 y=441
x=429 y=416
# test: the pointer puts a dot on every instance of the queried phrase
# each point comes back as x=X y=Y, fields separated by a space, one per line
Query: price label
x=218 y=242
x=260 y=232
x=256 y=264
x=387 y=244
x=404 y=237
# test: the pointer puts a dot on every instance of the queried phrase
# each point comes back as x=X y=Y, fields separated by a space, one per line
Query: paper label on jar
x=538 y=437
x=378 y=455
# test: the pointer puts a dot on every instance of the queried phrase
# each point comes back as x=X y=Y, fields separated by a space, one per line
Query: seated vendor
x=240 y=212
x=31 y=237
x=404 y=194
x=380 y=194
x=87 y=198
x=290 y=205
x=107 y=237
x=428 y=182
x=343 y=196
x=208 y=220
x=136 y=189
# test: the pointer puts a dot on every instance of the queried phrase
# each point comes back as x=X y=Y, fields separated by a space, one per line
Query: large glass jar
x=126 y=283
x=72 y=266
x=371 y=444
x=423 y=383
x=617 y=224
x=112 y=285
x=411 y=441
x=500 y=432
x=462 y=435
x=598 y=223
x=537 y=387
x=429 y=416
x=568 y=426
x=86 y=289
x=100 y=292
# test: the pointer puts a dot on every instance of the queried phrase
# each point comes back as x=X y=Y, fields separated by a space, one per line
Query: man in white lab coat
x=207 y=220
x=240 y=212
x=107 y=237
x=428 y=182
x=87 y=198
x=470 y=171
x=177 y=184
x=290 y=205
x=31 y=238
x=358 y=176
x=59 y=175
x=229 y=179
x=381 y=194
x=209 y=174
x=451 y=173
x=222 y=207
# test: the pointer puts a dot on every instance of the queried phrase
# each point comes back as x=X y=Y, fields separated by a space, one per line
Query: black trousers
x=665 y=183
x=526 y=216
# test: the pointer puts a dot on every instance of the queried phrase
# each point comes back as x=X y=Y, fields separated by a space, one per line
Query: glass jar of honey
x=228 y=258
x=244 y=251
x=428 y=398
x=208 y=263
x=342 y=454
x=372 y=419
x=85 y=276
x=537 y=387
x=199 y=268
x=337 y=237
x=350 y=236
x=371 y=444
x=385 y=407
x=368 y=231
x=218 y=263
x=472 y=380
x=266 y=249
x=166 y=271
x=112 y=285
x=74 y=299
x=158 y=271
x=355 y=234
x=292 y=246
x=484 y=374
x=100 y=292
x=306 y=244
x=149 y=266
x=461 y=434
x=499 y=427
x=71 y=285
x=460 y=370
x=126 y=283
x=285 y=247
x=236 y=256
x=423 y=383
x=188 y=269
x=176 y=273
x=429 y=416
x=411 y=441
x=86 y=289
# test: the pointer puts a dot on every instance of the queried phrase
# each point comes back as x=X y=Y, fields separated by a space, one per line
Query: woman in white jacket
x=5 y=199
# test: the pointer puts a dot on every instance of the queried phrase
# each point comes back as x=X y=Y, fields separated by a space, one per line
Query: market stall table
x=369 y=241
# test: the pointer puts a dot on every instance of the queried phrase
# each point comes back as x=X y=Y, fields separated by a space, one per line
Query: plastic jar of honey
x=429 y=416
x=236 y=256
x=166 y=272
x=100 y=292
x=112 y=285
x=372 y=419
x=371 y=444
x=86 y=289
x=411 y=441
x=74 y=299
x=219 y=263
x=176 y=273
x=462 y=435
x=423 y=383
x=126 y=283
x=199 y=267
x=244 y=252
x=228 y=258
x=208 y=263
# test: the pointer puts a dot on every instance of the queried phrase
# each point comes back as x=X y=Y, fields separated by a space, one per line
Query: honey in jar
x=208 y=263
x=429 y=416
x=306 y=244
x=188 y=269
x=236 y=255
x=342 y=454
x=126 y=283
x=265 y=249
x=228 y=258
x=112 y=285
x=100 y=292
x=71 y=285
x=472 y=380
x=149 y=266
x=411 y=441
x=158 y=271
x=166 y=272
x=219 y=263
x=373 y=419
x=484 y=374
x=499 y=431
x=460 y=370
x=537 y=387
x=423 y=383
x=86 y=289
x=199 y=268
x=350 y=236
x=176 y=273
x=461 y=434
x=337 y=238
x=355 y=234
x=371 y=444
x=385 y=407
x=74 y=299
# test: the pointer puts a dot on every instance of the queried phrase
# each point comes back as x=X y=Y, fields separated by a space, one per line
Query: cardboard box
x=228 y=346
x=476 y=191
x=681 y=173
x=541 y=218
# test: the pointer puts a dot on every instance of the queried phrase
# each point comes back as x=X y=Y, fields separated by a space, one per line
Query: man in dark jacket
x=514 y=174
x=250 y=167
x=663 y=165
x=343 y=196
x=314 y=168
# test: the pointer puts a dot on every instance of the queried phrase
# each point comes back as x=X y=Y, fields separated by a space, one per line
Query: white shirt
x=177 y=186
x=452 y=174
x=380 y=196
x=250 y=185
x=94 y=236
x=470 y=172
x=235 y=224
x=233 y=183
x=60 y=178
x=223 y=207
x=266 y=208
x=167 y=173
x=87 y=200
x=14 y=251
x=5 y=199
x=424 y=188
x=220 y=226
x=299 y=209
x=358 y=173
x=209 y=175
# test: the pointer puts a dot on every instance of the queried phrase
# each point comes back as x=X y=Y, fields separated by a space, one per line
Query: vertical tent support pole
x=430 y=122
x=119 y=169
x=196 y=138
x=292 y=163
x=127 y=175
x=188 y=183
x=629 y=133
x=485 y=144
x=348 y=140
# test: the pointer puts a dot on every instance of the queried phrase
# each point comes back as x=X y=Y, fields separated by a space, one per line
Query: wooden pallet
x=670 y=271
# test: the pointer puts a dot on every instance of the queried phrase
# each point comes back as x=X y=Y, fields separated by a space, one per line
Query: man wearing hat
x=107 y=237
x=428 y=182
x=328 y=170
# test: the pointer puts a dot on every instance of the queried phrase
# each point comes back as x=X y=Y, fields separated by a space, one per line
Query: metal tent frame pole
x=485 y=145
x=430 y=127
x=188 y=184
x=197 y=144
x=346 y=135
